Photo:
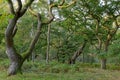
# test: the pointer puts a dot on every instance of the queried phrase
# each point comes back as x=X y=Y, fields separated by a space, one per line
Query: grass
x=58 y=71
x=87 y=74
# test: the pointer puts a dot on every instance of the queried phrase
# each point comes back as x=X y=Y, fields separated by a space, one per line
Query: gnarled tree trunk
x=16 y=60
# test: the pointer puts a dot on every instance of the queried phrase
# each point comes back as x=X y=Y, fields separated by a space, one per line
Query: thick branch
x=11 y=26
x=61 y=6
x=32 y=11
x=26 y=7
x=34 y=41
x=19 y=5
x=50 y=14
x=77 y=53
x=111 y=35
x=50 y=11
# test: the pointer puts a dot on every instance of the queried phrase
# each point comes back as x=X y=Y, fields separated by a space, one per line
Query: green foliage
x=86 y=20
x=115 y=49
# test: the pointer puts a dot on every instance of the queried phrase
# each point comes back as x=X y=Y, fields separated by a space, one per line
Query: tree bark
x=15 y=58
x=15 y=61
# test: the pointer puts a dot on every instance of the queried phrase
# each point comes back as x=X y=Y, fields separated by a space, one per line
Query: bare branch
x=50 y=14
x=11 y=6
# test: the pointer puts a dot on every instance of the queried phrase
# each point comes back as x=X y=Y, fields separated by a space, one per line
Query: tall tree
x=17 y=59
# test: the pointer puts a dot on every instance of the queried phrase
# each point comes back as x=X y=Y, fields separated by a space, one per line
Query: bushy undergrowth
x=60 y=71
x=4 y=63
x=55 y=67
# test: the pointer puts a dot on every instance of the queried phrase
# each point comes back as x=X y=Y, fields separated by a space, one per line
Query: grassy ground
x=87 y=74
x=56 y=71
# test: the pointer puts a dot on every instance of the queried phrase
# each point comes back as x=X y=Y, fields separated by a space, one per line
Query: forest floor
x=59 y=72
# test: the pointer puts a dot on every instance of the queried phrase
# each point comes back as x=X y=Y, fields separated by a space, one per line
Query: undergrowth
x=60 y=71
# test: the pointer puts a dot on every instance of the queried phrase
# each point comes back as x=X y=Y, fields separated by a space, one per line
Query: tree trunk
x=103 y=63
x=83 y=58
x=104 y=60
x=76 y=54
x=72 y=61
x=48 y=44
x=15 y=59
x=109 y=37
x=33 y=57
